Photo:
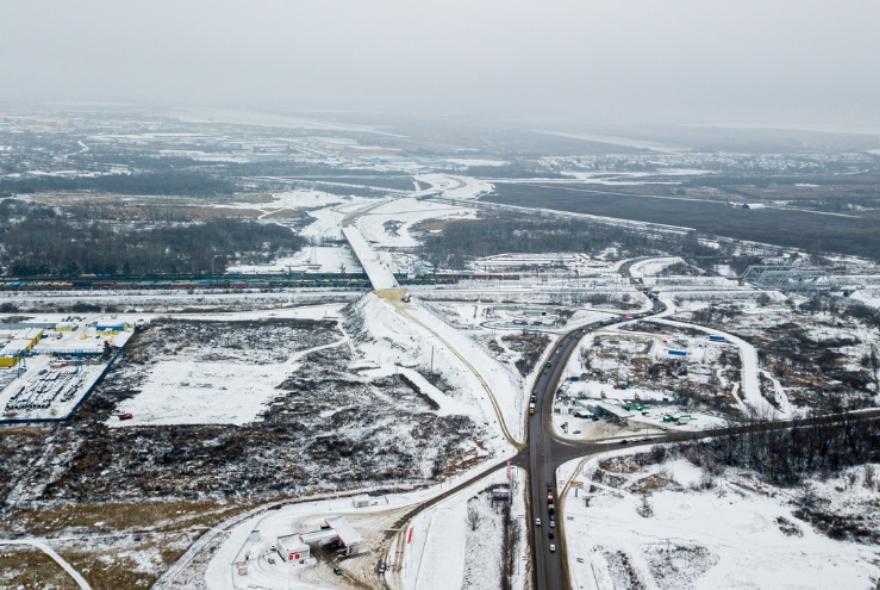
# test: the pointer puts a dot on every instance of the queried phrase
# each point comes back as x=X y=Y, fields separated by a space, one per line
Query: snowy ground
x=133 y=302
x=735 y=534
x=390 y=225
x=455 y=187
x=582 y=264
x=653 y=266
x=411 y=336
x=445 y=552
x=495 y=382
x=805 y=355
x=372 y=518
x=318 y=259
x=212 y=382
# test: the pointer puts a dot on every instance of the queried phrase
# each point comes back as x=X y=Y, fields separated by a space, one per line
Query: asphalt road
x=546 y=452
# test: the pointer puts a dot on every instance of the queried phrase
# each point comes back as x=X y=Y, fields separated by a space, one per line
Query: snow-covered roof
x=292 y=543
x=612 y=409
x=14 y=347
x=319 y=536
x=347 y=535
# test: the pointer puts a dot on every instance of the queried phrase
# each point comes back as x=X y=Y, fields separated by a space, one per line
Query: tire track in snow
x=44 y=547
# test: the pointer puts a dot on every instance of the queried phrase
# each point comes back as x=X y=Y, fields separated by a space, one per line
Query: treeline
x=291 y=168
x=786 y=457
x=44 y=243
x=149 y=183
x=460 y=241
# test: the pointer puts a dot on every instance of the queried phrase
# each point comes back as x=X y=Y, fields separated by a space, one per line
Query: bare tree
x=473 y=517
x=645 y=510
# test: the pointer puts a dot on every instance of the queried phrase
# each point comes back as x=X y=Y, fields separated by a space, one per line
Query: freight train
x=231 y=281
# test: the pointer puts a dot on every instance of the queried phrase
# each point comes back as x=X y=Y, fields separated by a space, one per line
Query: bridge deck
x=379 y=274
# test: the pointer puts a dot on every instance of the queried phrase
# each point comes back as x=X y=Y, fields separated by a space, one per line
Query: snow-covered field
x=390 y=225
x=455 y=187
x=318 y=259
x=212 y=382
x=450 y=549
x=734 y=534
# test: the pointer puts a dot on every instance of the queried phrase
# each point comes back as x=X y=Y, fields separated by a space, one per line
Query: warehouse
x=17 y=343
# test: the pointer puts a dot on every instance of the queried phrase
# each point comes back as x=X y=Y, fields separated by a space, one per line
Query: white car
x=537 y=522
x=552 y=548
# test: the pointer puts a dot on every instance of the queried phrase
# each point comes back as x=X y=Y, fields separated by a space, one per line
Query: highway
x=546 y=452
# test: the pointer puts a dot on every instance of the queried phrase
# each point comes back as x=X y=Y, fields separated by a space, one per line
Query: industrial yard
x=48 y=368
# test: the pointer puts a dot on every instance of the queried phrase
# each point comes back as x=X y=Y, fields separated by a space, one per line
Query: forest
x=461 y=241
x=786 y=456
x=822 y=234
x=40 y=241
x=149 y=183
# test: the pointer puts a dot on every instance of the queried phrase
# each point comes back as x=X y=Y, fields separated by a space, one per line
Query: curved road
x=546 y=452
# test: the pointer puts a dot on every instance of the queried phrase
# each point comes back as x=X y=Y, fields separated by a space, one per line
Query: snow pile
x=423 y=341
x=505 y=384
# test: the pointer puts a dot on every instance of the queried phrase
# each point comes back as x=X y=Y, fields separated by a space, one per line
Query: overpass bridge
x=379 y=275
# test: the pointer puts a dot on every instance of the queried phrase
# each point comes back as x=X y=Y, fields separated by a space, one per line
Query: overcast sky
x=777 y=62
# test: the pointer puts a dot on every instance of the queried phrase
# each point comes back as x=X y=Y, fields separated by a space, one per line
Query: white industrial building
x=298 y=546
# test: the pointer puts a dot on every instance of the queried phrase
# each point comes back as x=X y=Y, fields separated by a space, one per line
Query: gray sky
x=781 y=62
